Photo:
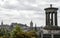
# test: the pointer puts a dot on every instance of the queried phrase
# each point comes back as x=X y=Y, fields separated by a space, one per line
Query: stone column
x=52 y=36
x=41 y=34
x=46 y=18
x=51 y=18
x=56 y=18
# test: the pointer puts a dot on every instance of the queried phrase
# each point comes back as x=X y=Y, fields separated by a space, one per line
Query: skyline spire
x=2 y=22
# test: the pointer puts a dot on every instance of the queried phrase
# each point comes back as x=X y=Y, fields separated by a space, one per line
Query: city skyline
x=23 y=11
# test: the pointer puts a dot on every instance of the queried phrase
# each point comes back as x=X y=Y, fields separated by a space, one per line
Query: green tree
x=17 y=32
x=4 y=33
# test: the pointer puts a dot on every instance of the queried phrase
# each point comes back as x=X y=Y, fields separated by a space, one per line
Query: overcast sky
x=23 y=11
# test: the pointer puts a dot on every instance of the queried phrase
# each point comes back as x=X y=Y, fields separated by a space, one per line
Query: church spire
x=31 y=25
x=35 y=27
x=2 y=22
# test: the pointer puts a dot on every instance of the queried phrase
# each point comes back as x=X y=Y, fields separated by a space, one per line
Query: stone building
x=51 y=29
x=31 y=25
x=23 y=26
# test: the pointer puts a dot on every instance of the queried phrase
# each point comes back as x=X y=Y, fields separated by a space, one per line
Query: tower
x=51 y=16
x=31 y=25
x=51 y=29
x=2 y=23
x=35 y=27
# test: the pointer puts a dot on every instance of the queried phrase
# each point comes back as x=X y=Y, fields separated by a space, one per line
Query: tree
x=32 y=34
x=16 y=32
x=4 y=33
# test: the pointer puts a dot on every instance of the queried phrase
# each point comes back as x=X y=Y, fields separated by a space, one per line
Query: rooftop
x=51 y=7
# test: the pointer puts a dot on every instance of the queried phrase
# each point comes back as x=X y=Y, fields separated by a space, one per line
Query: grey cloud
x=31 y=1
x=52 y=1
x=21 y=6
x=39 y=13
